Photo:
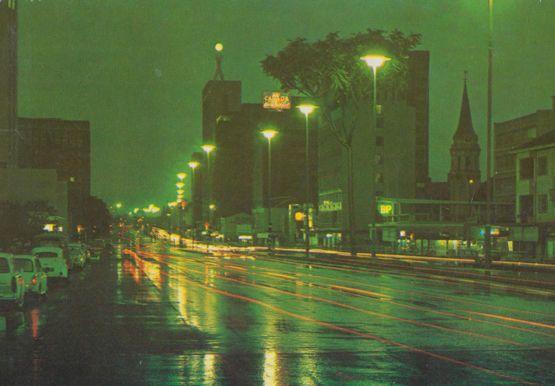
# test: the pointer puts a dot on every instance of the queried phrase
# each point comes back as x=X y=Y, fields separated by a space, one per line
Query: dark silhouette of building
x=64 y=146
x=8 y=82
x=418 y=98
x=464 y=175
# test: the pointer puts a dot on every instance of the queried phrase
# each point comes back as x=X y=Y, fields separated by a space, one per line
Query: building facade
x=8 y=82
x=390 y=158
x=61 y=145
x=509 y=135
x=534 y=232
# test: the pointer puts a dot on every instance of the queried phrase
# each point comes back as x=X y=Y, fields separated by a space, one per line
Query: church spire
x=465 y=128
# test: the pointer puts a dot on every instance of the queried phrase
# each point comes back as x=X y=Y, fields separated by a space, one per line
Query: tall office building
x=390 y=158
x=418 y=98
x=8 y=82
x=61 y=145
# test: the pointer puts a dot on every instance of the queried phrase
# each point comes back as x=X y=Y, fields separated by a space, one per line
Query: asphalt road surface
x=169 y=316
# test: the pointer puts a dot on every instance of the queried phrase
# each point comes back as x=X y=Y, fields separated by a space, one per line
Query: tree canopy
x=330 y=71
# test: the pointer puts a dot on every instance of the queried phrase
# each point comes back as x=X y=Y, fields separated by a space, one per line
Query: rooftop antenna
x=219 y=74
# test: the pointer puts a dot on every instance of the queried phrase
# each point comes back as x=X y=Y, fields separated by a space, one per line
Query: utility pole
x=487 y=235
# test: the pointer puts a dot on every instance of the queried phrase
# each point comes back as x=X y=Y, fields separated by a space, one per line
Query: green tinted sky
x=136 y=69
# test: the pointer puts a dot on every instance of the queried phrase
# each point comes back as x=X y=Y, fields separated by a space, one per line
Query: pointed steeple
x=465 y=128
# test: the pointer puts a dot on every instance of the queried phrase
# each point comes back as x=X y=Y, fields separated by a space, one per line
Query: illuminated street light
x=307 y=109
x=193 y=165
x=269 y=134
x=180 y=191
x=208 y=148
x=119 y=205
x=375 y=62
x=212 y=207
x=219 y=47
x=181 y=176
x=179 y=185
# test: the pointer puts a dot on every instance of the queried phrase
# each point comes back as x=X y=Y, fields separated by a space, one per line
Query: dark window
x=542 y=203
x=379 y=122
x=526 y=208
x=468 y=163
x=379 y=140
x=24 y=265
x=542 y=166
x=4 y=266
x=526 y=168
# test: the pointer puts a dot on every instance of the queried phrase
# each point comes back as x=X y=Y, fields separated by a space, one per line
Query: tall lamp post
x=193 y=165
x=208 y=149
x=374 y=62
x=487 y=238
x=307 y=109
x=269 y=134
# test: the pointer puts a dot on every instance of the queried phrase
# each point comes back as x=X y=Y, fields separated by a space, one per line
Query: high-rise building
x=8 y=82
x=390 y=157
x=418 y=98
x=509 y=135
x=61 y=145
x=219 y=98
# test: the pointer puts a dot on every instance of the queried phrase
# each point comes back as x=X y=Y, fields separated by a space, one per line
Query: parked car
x=52 y=261
x=77 y=254
x=54 y=239
x=35 y=279
x=12 y=284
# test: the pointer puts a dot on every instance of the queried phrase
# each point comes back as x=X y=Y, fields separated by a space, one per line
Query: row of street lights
x=374 y=62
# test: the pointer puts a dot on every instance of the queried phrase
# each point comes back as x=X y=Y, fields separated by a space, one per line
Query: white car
x=12 y=285
x=52 y=262
x=35 y=279
x=77 y=254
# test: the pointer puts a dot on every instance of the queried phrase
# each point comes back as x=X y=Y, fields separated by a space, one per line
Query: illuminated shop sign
x=275 y=100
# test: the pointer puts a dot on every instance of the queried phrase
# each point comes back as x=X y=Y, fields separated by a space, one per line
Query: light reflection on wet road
x=175 y=317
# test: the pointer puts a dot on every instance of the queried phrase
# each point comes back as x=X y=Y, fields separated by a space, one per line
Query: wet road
x=168 y=316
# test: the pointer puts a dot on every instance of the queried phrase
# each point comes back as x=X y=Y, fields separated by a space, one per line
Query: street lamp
x=208 y=148
x=269 y=134
x=181 y=176
x=194 y=165
x=307 y=109
x=374 y=62
x=179 y=185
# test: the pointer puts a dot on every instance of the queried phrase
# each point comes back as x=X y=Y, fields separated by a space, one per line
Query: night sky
x=136 y=68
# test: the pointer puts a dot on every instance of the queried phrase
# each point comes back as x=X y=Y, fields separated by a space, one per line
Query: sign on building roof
x=275 y=100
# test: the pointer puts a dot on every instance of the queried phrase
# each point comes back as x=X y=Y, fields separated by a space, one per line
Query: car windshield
x=4 y=267
x=41 y=255
x=24 y=265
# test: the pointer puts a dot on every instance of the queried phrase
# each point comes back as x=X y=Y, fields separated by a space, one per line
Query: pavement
x=164 y=315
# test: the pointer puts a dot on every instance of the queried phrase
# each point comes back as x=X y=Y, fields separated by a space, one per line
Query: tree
x=96 y=217
x=331 y=72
